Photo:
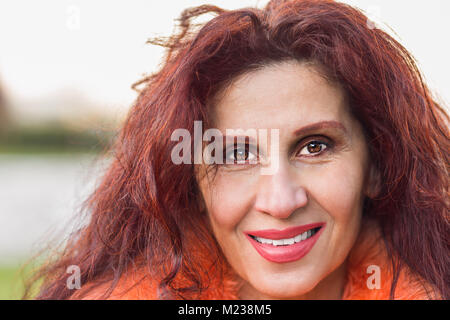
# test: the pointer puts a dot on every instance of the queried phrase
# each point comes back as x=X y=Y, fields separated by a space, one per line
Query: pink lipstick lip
x=287 y=253
x=291 y=232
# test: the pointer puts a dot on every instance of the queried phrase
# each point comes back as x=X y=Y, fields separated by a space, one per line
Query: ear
x=373 y=182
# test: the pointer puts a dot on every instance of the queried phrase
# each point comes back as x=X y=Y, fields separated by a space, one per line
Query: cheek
x=338 y=193
x=337 y=188
x=228 y=199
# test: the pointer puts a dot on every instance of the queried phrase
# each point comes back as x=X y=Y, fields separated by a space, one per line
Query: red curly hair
x=146 y=207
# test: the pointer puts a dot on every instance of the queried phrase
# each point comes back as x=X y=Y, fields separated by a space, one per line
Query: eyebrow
x=302 y=131
x=320 y=125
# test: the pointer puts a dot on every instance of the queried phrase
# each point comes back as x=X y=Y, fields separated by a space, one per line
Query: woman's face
x=319 y=184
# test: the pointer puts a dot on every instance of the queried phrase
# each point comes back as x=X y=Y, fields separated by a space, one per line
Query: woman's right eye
x=240 y=155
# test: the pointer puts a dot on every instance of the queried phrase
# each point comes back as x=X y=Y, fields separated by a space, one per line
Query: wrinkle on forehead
x=309 y=91
x=237 y=81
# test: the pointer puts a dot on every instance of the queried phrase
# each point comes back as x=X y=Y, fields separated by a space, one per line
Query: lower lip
x=283 y=254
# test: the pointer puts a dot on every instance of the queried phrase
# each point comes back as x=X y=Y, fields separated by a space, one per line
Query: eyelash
x=246 y=148
x=328 y=146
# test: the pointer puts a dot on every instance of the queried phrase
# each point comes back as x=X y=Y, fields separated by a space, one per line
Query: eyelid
x=240 y=146
x=320 y=139
x=329 y=143
x=251 y=149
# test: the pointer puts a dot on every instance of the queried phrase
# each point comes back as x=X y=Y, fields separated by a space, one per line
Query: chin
x=285 y=289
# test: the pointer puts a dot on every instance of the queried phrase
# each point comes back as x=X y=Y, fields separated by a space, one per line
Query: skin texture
x=313 y=183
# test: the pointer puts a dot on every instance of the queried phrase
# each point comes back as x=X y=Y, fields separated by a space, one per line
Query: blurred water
x=38 y=196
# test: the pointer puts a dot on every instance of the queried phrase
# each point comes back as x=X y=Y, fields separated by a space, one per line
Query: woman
x=356 y=206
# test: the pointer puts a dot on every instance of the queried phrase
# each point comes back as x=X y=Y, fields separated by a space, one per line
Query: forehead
x=283 y=95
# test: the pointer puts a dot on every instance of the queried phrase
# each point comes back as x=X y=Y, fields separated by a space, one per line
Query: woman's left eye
x=313 y=147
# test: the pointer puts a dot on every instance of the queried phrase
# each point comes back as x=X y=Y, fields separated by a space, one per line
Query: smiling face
x=321 y=178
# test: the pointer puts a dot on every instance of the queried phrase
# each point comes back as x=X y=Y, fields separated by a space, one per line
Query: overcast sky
x=93 y=50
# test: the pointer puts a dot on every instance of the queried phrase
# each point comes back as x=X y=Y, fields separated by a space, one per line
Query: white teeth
x=278 y=242
x=284 y=242
x=262 y=240
x=289 y=241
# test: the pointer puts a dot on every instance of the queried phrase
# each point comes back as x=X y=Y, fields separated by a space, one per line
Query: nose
x=280 y=195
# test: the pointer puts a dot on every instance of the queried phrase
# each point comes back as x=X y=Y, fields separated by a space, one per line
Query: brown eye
x=313 y=147
x=240 y=154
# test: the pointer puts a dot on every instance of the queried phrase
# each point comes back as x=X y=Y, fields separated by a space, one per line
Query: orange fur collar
x=368 y=251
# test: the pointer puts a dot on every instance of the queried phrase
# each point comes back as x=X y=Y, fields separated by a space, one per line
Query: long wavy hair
x=146 y=208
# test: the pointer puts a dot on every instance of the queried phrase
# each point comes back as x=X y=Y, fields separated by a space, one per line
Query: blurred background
x=66 y=70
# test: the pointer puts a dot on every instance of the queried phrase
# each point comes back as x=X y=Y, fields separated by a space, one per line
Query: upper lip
x=290 y=232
